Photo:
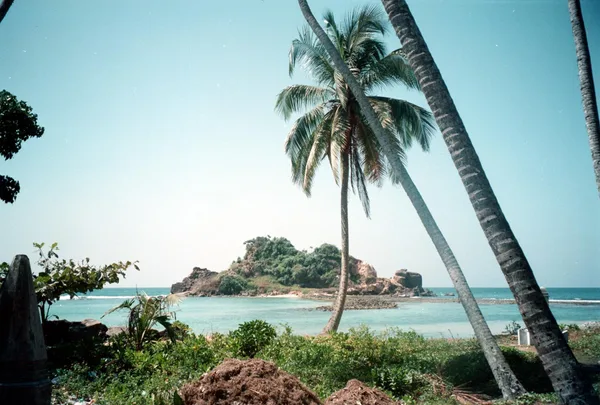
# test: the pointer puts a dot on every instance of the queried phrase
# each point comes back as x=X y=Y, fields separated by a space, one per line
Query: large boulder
x=199 y=282
x=247 y=382
x=408 y=279
x=63 y=332
x=366 y=272
x=74 y=342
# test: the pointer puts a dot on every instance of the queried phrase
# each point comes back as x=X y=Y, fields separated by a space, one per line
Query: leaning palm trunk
x=507 y=381
x=586 y=80
x=4 y=6
x=338 y=307
x=567 y=378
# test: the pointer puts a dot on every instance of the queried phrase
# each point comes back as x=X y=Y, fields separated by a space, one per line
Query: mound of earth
x=356 y=392
x=247 y=382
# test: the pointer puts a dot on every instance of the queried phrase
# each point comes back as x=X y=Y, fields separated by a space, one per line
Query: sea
x=206 y=315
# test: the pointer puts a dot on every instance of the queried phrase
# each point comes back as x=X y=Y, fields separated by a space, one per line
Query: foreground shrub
x=403 y=364
x=251 y=337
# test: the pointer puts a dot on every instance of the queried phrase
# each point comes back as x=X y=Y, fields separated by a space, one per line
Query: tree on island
x=568 y=379
x=17 y=124
x=333 y=125
x=506 y=379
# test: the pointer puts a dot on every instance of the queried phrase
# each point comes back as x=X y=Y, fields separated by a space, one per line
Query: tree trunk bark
x=586 y=80
x=4 y=6
x=338 y=307
x=568 y=380
x=507 y=381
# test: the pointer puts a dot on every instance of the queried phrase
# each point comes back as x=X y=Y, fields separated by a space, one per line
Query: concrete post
x=23 y=360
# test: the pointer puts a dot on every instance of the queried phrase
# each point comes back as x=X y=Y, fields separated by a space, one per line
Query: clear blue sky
x=162 y=144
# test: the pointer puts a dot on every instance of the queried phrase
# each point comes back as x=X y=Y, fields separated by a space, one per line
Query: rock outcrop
x=403 y=283
x=366 y=272
x=408 y=279
x=199 y=282
x=203 y=282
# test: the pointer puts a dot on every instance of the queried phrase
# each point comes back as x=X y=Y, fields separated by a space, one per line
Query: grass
x=404 y=364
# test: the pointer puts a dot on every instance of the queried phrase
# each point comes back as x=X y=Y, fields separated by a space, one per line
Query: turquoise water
x=219 y=314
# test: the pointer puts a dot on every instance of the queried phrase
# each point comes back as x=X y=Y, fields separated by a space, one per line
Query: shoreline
x=358 y=302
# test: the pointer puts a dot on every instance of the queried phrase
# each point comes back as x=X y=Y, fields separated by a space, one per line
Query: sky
x=162 y=144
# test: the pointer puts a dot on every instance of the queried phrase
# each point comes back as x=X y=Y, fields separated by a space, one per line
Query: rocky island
x=273 y=266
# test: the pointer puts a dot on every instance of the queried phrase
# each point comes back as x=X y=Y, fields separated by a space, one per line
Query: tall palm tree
x=507 y=381
x=334 y=128
x=568 y=379
x=586 y=80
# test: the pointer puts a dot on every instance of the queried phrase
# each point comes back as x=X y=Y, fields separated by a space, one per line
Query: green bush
x=512 y=328
x=232 y=285
x=250 y=337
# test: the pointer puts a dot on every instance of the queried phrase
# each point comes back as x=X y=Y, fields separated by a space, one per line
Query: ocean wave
x=98 y=297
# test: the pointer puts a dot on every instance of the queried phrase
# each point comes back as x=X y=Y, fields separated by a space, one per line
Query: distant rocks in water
x=449 y=294
x=357 y=302
x=404 y=283
x=272 y=266
x=199 y=282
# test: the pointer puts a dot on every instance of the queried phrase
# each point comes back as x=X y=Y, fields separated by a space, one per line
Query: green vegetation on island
x=271 y=264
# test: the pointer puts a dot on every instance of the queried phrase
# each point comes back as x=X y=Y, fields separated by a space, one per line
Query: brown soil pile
x=356 y=392
x=247 y=382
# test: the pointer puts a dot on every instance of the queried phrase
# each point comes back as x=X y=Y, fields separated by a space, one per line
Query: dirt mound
x=356 y=392
x=247 y=382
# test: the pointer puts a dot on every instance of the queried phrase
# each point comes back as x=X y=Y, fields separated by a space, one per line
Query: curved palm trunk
x=338 y=307
x=567 y=377
x=4 y=6
x=586 y=80
x=507 y=381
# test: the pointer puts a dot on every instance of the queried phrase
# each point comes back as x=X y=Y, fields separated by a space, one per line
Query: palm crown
x=332 y=125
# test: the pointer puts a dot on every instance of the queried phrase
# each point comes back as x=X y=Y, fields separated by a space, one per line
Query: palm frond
x=410 y=122
x=309 y=52
x=127 y=304
x=317 y=152
x=299 y=136
x=174 y=299
x=372 y=153
x=358 y=181
x=299 y=97
x=340 y=126
x=333 y=31
x=390 y=70
x=365 y=21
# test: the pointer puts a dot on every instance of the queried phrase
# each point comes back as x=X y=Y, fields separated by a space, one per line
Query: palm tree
x=507 y=381
x=334 y=127
x=586 y=79
x=145 y=313
x=568 y=379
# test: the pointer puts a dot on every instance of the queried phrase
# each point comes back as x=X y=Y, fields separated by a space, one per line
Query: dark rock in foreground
x=23 y=359
x=248 y=382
